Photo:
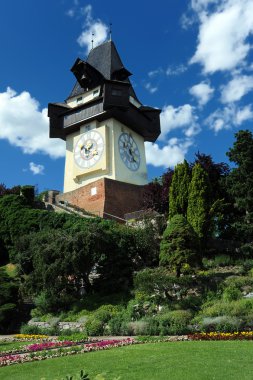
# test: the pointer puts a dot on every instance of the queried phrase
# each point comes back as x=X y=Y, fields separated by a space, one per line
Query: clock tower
x=105 y=126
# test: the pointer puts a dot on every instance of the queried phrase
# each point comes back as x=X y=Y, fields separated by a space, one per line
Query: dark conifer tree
x=199 y=202
x=240 y=184
x=178 y=195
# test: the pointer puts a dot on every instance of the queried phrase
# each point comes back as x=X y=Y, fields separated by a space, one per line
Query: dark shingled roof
x=77 y=90
x=106 y=60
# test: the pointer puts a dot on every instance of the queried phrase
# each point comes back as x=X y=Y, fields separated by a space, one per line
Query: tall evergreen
x=240 y=183
x=199 y=202
x=178 y=195
x=179 y=245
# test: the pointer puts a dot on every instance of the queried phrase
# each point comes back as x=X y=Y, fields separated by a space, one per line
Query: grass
x=160 y=361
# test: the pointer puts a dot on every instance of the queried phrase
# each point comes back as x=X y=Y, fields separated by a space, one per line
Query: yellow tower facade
x=105 y=127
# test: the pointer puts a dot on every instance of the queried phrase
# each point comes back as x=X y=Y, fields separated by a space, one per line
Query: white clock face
x=129 y=152
x=89 y=149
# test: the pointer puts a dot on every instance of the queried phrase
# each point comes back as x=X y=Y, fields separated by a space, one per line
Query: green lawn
x=232 y=360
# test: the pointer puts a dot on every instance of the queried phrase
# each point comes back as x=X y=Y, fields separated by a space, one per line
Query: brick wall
x=90 y=197
x=106 y=196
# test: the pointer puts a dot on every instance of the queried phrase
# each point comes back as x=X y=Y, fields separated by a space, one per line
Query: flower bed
x=63 y=351
x=47 y=345
x=31 y=337
x=244 y=335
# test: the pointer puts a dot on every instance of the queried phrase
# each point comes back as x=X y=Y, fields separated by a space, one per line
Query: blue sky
x=192 y=59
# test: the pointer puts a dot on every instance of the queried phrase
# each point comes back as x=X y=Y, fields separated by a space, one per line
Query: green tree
x=198 y=211
x=160 y=284
x=55 y=265
x=178 y=194
x=179 y=245
x=8 y=301
x=240 y=184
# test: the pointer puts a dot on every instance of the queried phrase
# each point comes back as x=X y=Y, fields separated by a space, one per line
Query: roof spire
x=92 y=40
x=110 y=31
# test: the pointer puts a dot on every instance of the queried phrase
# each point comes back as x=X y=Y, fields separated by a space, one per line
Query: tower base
x=107 y=198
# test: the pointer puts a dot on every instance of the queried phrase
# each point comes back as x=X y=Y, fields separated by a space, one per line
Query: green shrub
x=152 y=326
x=118 y=325
x=74 y=337
x=191 y=302
x=222 y=261
x=96 y=322
x=238 y=308
x=232 y=293
x=239 y=281
x=137 y=309
x=221 y=324
x=138 y=327
x=105 y=313
x=174 y=322
x=247 y=265
x=94 y=327
x=30 y=329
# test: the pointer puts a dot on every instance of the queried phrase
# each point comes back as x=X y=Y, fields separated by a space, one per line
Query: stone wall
x=61 y=325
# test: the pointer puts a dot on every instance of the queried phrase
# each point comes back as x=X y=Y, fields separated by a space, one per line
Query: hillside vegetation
x=194 y=272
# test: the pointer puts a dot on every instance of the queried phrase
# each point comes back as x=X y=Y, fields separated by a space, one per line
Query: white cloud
x=223 y=35
x=229 y=117
x=176 y=70
x=25 y=126
x=202 y=91
x=192 y=130
x=169 y=155
x=202 y=5
x=70 y=12
x=243 y=114
x=94 y=30
x=148 y=86
x=75 y=10
x=154 y=73
x=36 y=168
x=236 y=88
x=178 y=118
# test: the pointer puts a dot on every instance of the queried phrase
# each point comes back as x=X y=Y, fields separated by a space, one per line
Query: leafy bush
x=232 y=293
x=221 y=324
x=94 y=327
x=174 y=322
x=222 y=261
x=97 y=321
x=138 y=327
x=247 y=265
x=238 y=308
x=118 y=325
x=74 y=337
x=31 y=329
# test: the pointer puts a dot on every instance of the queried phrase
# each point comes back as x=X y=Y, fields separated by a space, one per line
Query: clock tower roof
x=103 y=73
x=106 y=60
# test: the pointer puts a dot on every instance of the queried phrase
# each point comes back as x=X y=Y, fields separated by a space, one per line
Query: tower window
x=95 y=92
x=79 y=100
